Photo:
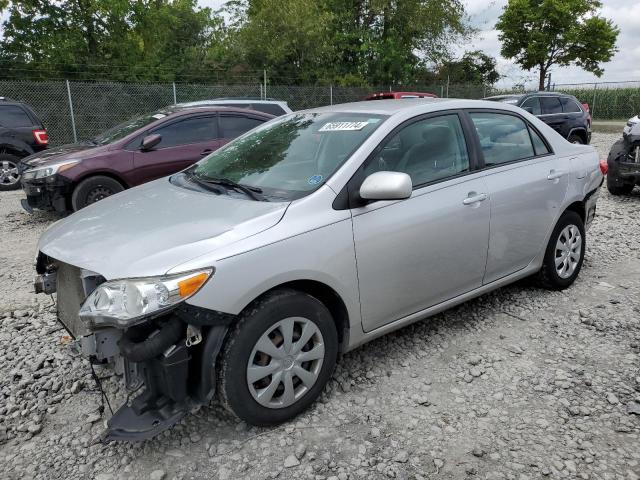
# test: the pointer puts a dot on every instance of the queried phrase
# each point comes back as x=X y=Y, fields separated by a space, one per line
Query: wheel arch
x=325 y=294
x=581 y=132
x=15 y=149
x=579 y=208
x=100 y=173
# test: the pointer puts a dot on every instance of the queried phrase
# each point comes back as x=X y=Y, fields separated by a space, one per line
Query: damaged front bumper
x=49 y=193
x=170 y=357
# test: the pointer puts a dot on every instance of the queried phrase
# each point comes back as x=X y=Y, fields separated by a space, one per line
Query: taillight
x=41 y=137
x=604 y=167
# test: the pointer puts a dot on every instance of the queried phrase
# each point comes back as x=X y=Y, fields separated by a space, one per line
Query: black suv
x=564 y=113
x=21 y=134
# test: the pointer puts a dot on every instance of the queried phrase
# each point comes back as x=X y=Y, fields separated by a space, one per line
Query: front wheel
x=278 y=358
x=564 y=254
x=93 y=189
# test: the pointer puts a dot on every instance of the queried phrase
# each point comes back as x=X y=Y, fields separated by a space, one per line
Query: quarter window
x=569 y=105
x=12 y=116
x=191 y=130
x=234 y=126
x=533 y=104
x=539 y=146
x=427 y=150
x=550 y=105
x=503 y=138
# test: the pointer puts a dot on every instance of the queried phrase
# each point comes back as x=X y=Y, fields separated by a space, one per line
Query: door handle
x=555 y=174
x=206 y=151
x=474 y=198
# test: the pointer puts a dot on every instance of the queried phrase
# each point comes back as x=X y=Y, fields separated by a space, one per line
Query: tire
x=617 y=188
x=574 y=138
x=551 y=277
x=264 y=323
x=94 y=189
x=9 y=177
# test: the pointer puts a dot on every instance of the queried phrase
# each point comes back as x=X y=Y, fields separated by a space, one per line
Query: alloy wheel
x=568 y=251
x=285 y=362
x=9 y=174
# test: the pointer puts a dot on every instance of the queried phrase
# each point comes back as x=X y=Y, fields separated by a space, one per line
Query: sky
x=624 y=66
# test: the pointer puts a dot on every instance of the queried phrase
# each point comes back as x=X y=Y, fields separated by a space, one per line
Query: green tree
x=542 y=33
x=118 y=39
x=474 y=67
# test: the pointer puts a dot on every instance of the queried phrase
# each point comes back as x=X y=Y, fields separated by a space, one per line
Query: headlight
x=47 y=171
x=124 y=302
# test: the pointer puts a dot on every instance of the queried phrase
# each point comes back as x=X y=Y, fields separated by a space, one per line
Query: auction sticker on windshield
x=343 y=126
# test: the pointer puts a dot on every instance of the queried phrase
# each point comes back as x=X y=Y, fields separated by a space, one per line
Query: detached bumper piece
x=161 y=405
x=176 y=380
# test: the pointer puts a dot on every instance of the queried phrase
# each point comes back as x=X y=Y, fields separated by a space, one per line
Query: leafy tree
x=349 y=42
x=120 y=39
x=474 y=67
x=543 y=33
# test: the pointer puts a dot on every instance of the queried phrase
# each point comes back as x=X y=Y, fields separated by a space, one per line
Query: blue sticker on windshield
x=314 y=179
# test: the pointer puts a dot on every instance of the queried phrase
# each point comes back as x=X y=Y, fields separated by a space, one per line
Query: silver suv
x=310 y=235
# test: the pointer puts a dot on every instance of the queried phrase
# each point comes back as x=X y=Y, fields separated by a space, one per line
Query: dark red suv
x=151 y=146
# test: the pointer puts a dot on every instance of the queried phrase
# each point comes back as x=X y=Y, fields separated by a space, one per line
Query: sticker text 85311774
x=343 y=126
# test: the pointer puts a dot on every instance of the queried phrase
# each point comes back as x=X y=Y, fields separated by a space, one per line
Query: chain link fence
x=81 y=110
x=607 y=100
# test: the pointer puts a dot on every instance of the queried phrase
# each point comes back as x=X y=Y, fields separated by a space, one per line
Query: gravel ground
x=520 y=384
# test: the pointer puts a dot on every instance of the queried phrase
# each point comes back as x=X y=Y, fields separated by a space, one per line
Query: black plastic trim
x=200 y=316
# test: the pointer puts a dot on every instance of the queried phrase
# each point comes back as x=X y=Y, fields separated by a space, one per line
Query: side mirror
x=150 y=141
x=529 y=109
x=386 y=186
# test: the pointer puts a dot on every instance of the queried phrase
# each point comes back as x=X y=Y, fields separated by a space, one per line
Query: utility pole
x=264 y=74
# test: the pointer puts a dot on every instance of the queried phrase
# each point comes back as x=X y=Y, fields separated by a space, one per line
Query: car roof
x=223 y=101
x=425 y=105
x=184 y=109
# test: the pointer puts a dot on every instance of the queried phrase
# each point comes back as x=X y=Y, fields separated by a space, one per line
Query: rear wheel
x=278 y=358
x=574 y=138
x=94 y=189
x=565 y=253
x=9 y=176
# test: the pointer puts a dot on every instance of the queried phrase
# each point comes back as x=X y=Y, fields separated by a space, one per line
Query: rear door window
x=190 y=130
x=533 y=104
x=503 y=138
x=569 y=105
x=550 y=105
x=233 y=126
x=12 y=116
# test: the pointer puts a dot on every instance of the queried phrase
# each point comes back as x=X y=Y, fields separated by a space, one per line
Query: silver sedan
x=246 y=274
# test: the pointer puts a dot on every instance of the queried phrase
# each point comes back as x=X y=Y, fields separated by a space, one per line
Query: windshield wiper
x=251 y=192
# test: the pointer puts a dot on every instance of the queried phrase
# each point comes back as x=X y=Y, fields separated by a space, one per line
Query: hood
x=73 y=151
x=148 y=230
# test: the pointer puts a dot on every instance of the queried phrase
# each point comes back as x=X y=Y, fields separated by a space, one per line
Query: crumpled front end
x=167 y=356
x=624 y=158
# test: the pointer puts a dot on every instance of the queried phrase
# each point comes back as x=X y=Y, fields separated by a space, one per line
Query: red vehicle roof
x=398 y=95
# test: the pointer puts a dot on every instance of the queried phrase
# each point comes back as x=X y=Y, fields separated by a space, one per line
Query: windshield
x=290 y=157
x=125 y=128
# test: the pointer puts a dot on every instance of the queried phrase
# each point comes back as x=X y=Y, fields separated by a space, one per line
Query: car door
x=552 y=114
x=416 y=253
x=526 y=183
x=234 y=124
x=184 y=141
x=532 y=105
